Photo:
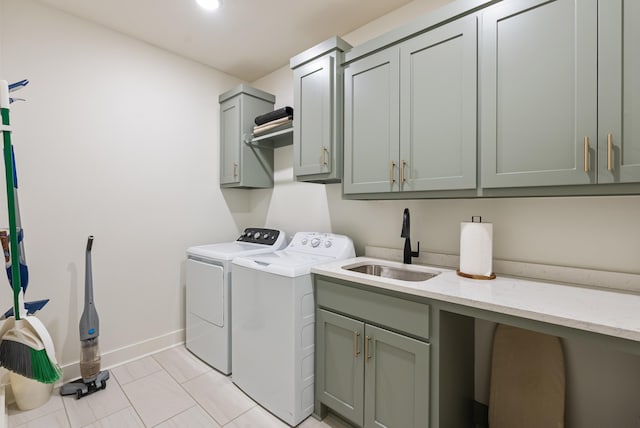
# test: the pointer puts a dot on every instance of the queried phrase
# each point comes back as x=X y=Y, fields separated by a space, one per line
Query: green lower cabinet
x=371 y=376
x=396 y=384
x=340 y=364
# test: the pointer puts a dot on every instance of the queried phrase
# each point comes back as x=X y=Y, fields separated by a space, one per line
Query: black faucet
x=407 y=241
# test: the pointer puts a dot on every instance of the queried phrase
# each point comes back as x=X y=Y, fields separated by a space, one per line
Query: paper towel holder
x=466 y=275
x=470 y=276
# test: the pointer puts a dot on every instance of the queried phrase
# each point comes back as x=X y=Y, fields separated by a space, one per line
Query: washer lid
x=228 y=250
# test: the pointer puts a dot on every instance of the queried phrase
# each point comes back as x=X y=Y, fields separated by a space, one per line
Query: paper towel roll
x=476 y=249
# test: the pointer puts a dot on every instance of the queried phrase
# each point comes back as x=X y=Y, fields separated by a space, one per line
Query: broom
x=23 y=350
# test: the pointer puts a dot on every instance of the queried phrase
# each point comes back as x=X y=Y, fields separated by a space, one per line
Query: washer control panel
x=326 y=244
x=256 y=235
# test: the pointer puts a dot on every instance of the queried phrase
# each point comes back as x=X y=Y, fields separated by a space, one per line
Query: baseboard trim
x=127 y=353
x=110 y=359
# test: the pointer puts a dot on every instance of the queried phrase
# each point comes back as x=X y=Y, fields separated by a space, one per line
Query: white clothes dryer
x=273 y=322
x=208 y=274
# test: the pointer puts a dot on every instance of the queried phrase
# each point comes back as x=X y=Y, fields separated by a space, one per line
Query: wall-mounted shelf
x=276 y=139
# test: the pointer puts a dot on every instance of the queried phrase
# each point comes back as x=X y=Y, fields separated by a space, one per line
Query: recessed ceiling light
x=209 y=4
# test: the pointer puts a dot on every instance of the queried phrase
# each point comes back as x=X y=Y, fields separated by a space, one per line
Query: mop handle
x=13 y=228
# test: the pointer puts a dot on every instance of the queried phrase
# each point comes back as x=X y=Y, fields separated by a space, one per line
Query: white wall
x=120 y=140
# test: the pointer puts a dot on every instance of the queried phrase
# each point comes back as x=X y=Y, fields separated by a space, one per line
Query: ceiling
x=244 y=38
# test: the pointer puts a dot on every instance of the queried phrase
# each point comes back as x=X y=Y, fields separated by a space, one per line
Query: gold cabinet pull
x=392 y=175
x=235 y=169
x=366 y=348
x=356 y=339
x=586 y=154
x=610 y=152
x=402 y=177
x=324 y=160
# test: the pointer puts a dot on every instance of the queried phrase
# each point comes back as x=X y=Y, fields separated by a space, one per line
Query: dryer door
x=205 y=291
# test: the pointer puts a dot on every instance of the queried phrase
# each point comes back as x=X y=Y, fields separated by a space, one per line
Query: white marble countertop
x=596 y=310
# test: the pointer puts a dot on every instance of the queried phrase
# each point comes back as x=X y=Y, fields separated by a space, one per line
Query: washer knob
x=328 y=244
x=304 y=241
x=315 y=242
x=257 y=235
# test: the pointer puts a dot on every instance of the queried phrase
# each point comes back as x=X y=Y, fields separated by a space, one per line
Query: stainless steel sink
x=392 y=272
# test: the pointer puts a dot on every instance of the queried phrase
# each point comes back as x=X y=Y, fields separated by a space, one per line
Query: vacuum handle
x=89 y=322
x=88 y=275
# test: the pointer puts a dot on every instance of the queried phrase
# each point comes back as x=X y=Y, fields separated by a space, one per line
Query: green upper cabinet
x=371 y=123
x=618 y=91
x=317 y=98
x=538 y=93
x=438 y=108
x=230 y=140
x=410 y=114
x=242 y=164
x=480 y=98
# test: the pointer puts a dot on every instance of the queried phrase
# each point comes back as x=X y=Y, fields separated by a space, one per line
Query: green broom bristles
x=28 y=362
x=43 y=370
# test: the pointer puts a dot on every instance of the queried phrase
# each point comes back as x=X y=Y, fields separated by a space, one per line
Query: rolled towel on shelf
x=275 y=125
x=273 y=115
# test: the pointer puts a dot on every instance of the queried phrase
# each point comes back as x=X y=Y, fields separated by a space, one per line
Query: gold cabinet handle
x=324 y=160
x=586 y=154
x=392 y=175
x=402 y=177
x=366 y=348
x=235 y=169
x=610 y=152
x=356 y=339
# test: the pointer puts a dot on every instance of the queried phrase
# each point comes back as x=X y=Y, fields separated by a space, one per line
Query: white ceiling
x=244 y=38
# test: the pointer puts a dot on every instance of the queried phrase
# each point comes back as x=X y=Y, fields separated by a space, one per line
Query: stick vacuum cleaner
x=92 y=379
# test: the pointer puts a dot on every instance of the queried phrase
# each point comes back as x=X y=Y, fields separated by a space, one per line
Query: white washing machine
x=208 y=275
x=273 y=322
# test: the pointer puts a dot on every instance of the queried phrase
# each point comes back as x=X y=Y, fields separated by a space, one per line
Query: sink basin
x=392 y=272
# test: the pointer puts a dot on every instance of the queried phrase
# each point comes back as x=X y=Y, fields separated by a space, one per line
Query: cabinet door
x=312 y=133
x=371 y=128
x=438 y=108
x=396 y=380
x=339 y=364
x=539 y=93
x=230 y=138
x=619 y=91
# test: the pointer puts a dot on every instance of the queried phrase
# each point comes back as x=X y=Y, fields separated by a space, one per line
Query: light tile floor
x=170 y=389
